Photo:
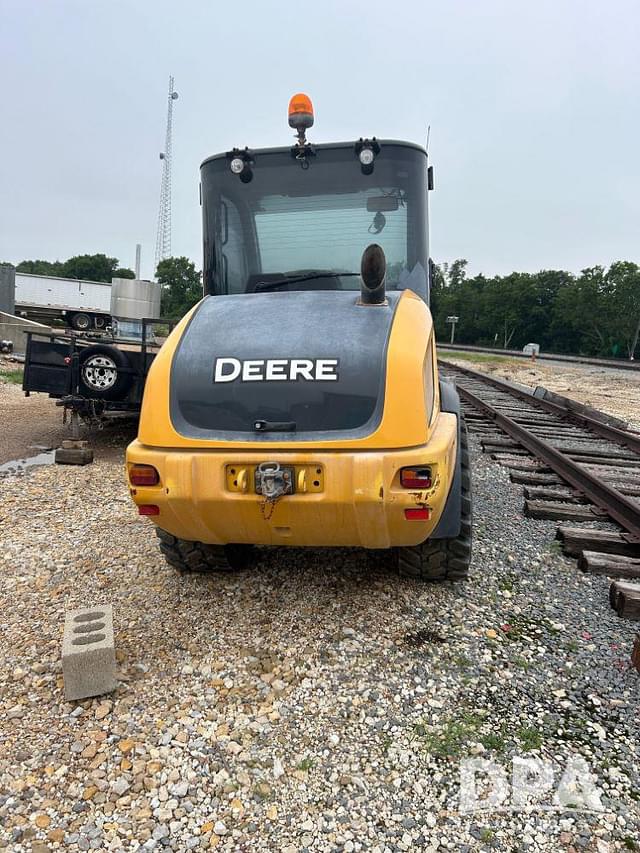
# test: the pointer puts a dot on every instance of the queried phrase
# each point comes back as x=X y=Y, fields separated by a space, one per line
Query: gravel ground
x=316 y=702
x=616 y=392
x=30 y=425
x=18 y=413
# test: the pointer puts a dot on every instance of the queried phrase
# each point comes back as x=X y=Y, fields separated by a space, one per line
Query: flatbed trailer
x=96 y=378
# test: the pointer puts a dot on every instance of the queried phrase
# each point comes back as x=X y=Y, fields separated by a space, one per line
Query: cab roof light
x=415 y=478
x=143 y=475
x=240 y=163
x=366 y=151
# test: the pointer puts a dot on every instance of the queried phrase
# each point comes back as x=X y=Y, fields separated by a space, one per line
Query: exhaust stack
x=373 y=269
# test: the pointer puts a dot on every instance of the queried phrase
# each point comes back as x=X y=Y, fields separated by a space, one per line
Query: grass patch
x=462 y=662
x=629 y=843
x=305 y=765
x=452 y=739
x=529 y=738
x=508 y=583
x=13 y=376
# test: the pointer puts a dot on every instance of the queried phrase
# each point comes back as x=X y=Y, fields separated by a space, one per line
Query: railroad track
x=574 y=466
x=615 y=363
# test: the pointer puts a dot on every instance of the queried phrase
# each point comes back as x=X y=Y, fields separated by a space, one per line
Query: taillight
x=148 y=509
x=143 y=475
x=417 y=514
x=415 y=478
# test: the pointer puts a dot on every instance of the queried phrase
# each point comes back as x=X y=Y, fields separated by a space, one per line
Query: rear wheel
x=80 y=321
x=187 y=556
x=444 y=559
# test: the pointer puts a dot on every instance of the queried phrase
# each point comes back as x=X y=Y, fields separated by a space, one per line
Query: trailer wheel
x=444 y=559
x=81 y=322
x=101 y=372
x=186 y=556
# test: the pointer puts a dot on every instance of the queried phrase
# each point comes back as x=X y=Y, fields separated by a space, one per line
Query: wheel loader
x=299 y=403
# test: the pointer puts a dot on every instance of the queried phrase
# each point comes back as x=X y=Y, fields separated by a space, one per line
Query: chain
x=271 y=503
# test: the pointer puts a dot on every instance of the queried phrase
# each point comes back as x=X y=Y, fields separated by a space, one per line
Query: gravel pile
x=315 y=703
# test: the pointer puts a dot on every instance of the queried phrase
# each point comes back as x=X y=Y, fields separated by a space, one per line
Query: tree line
x=97 y=267
x=596 y=313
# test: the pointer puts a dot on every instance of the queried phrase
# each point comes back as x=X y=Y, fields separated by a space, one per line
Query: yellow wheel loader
x=299 y=403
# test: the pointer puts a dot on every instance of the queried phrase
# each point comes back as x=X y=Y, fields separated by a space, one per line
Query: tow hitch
x=273 y=481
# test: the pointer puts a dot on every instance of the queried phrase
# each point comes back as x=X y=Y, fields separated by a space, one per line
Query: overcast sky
x=533 y=107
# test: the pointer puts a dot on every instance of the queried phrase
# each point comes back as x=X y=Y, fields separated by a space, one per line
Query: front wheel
x=187 y=556
x=445 y=559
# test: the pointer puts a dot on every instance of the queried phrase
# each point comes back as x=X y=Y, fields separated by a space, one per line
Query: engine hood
x=302 y=365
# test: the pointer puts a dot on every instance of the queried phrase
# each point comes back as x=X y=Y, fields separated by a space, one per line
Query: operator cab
x=300 y=218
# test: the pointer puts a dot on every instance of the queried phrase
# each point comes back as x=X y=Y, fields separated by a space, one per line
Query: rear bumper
x=361 y=503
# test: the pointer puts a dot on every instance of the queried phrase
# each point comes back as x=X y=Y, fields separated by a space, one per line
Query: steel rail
x=610 y=363
x=618 y=436
x=616 y=505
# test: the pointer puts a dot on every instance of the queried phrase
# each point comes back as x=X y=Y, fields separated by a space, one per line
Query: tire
x=81 y=322
x=445 y=559
x=100 y=374
x=186 y=556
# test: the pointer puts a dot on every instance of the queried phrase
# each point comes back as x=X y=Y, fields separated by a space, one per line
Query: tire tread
x=187 y=556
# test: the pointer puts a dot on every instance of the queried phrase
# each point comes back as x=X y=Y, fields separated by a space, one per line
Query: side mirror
x=373 y=269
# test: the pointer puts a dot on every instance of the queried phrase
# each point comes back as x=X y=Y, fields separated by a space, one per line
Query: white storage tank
x=133 y=300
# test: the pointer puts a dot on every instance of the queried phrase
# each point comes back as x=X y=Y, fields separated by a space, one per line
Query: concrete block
x=88 y=652
x=15 y=329
x=74 y=452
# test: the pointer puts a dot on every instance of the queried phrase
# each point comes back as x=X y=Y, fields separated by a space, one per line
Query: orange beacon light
x=300 y=115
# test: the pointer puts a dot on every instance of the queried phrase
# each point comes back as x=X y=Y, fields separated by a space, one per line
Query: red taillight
x=143 y=475
x=148 y=509
x=417 y=514
x=415 y=478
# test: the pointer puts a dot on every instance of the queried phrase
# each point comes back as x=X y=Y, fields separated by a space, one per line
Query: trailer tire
x=186 y=556
x=100 y=375
x=81 y=322
x=439 y=560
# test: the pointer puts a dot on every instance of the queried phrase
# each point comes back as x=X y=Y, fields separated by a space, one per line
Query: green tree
x=123 y=272
x=623 y=285
x=89 y=267
x=39 y=267
x=582 y=317
x=181 y=286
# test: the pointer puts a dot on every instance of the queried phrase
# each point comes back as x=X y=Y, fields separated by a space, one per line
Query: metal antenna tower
x=163 y=240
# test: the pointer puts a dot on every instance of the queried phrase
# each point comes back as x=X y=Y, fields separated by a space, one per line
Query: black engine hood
x=315 y=359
